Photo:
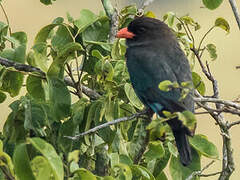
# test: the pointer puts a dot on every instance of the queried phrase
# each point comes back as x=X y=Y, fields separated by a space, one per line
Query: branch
x=199 y=173
x=21 y=67
x=116 y=121
x=235 y=11
x=233 y=124
x=227 y=161
x=220 y=101
x=207 y=73
x=112 y=13
x=28 y=68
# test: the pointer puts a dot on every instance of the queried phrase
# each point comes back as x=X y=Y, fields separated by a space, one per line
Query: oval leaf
x=155 y=150
x=211 y=48
x=212 y=4
x=198 y=83
x=180 y=172
x=50 y=154
x=22 y=163
x=165 y=85
x=41 y=168
x=222 y=23
x=205 y=147
x=35 y=87
x=132 y=96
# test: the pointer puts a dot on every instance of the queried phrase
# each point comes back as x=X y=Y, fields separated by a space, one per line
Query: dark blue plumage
x=154 y=55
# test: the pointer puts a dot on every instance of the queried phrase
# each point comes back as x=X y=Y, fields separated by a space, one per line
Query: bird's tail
x=183 y=146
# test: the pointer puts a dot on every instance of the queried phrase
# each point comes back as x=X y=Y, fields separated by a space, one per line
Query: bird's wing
x=147 y=69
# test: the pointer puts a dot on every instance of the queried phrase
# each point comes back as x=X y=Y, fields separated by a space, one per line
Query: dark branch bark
x=116 y=121
x=31 y=69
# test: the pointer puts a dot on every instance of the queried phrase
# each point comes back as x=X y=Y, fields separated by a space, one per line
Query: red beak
x=124 y=33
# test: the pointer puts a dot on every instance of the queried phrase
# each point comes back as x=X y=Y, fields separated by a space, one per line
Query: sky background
x=30 y=16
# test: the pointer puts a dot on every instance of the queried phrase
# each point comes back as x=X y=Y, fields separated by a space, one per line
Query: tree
x=106 y=133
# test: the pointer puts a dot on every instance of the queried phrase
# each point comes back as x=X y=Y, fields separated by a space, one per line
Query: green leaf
x=198 y=83
x=98 y=31
x=114 y=158
x=150 y=14
x=161 y=163
x=97 y=54
x=95 y=115
x=47 y=2
x=84 y=174
x=205 y=147
x=12 y=81
x=170 y=16
x=67 y=128
x=161 y=176
x=2 y=97
x=155 y=150
x=60 y=98
x=61 y=38
x=22 y=163
x=124 y=159
x=172 y=149
x=51 y=156
x=57 y=67
x=5 y=160
x=134 y=100
x=41 y=168
x=123 y=172
x=129 y=10
x=3 y=33
x=108 y=70
x=35 y=87
x=211 y=48
x=43 y=34
x=58 y=20
x=69 y=18
x=104 y=45
x=78 y=111
x=165 y=85
x=140 y=172
x=109 y=109
x=35 y=117
x=212 y=4
x=180 y=172
x=86 y=19
x=188 y=119
x=222 y=23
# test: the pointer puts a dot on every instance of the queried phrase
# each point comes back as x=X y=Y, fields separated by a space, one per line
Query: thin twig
x=219 y=101
x=198 y=173
x=204 y=36
x=211 y=174
x=235 y=11
x=116 y=121
x=5 y=14
x=233 y=124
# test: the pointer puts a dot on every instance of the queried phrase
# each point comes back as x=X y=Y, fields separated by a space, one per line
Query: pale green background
x=31 y=15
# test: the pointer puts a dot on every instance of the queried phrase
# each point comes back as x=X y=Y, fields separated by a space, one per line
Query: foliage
x=34 y=145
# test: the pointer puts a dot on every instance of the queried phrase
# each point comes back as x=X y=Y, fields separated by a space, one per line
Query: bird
x=154 y=55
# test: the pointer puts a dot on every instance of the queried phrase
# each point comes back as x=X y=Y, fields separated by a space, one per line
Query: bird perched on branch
x=153 y=56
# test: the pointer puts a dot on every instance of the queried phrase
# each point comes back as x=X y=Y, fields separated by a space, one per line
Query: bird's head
x=143 y=29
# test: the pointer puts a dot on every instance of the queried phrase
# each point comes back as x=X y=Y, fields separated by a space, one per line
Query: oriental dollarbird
x=154 y=55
